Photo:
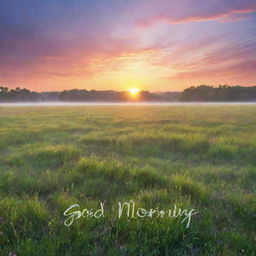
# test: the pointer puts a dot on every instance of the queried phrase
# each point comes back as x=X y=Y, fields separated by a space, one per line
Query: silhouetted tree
x=220 y=93
x=199 y=93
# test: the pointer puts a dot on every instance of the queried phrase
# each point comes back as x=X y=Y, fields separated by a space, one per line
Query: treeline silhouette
x=220 y=93
x=200 y=93
x=17 y=94
x=78 y=95
x=107 y=96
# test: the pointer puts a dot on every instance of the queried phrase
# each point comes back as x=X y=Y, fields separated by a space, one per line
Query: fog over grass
x=58 y=103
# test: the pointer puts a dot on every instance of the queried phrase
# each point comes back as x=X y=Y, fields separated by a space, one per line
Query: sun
x=134 y=91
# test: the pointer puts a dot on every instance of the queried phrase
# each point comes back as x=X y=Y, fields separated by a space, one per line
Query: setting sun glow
x=134 y=91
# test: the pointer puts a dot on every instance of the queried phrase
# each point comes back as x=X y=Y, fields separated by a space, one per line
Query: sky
x=155 y=45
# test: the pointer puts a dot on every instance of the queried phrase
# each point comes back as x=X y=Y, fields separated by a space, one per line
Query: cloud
x=184 y=11
x=240 y=73
x=43 y=42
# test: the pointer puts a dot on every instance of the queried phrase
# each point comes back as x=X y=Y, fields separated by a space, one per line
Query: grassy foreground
x=195 y=157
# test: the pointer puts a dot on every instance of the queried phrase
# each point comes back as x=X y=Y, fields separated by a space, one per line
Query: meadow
x=201 y=157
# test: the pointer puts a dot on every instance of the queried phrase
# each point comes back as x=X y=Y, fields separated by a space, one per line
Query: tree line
x=104 y=96
x=220 y=93
x=202 y=93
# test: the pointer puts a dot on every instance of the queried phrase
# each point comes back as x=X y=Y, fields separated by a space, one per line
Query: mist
x=61 y=104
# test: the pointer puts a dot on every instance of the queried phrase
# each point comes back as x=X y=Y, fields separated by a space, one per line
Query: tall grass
x=192 y=157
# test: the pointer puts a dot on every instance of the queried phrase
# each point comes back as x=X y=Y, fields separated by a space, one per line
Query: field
x=194 y=157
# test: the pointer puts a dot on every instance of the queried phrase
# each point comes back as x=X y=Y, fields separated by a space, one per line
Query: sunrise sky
x=155 y=45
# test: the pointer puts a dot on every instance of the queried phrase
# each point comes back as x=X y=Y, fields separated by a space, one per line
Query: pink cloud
x=244 y=70
x=174 y=14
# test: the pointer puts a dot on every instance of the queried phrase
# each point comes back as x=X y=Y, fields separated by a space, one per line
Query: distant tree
x=107 y=95
x=220 y=93
x=200 y=93
x=17 y=94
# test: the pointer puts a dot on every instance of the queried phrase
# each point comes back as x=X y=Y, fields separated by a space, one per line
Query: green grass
x=195 y=157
